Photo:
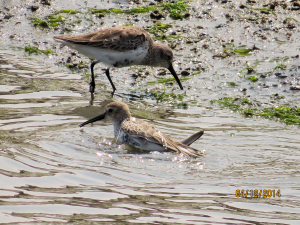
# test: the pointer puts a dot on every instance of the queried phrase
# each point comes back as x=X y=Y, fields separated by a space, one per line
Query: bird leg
x=92 y=84
x=111 y=83
x=92 y=99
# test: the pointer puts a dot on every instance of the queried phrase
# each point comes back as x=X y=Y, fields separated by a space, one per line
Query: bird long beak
x=171 y=69
x=100 y=117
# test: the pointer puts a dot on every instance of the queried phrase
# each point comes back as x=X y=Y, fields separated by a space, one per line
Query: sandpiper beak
x=171 y=69
x=100 y=117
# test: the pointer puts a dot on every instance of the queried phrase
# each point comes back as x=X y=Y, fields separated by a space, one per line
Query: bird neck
x=152 y=57
x=118 y=125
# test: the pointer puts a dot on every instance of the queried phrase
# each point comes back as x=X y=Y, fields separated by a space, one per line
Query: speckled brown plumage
x=121 y=39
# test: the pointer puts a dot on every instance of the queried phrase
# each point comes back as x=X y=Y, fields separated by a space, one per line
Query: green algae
x=55 y=20
x=167 y=80
x=231 y=83
x=117 y=11
x=286 y=20
x=262 y=9
x=36 y=51
x=142 y=9
x=40 y=23
x=166 y=97
x=278 y=59
x=103 y=11
x=67 y=11
x=286 y=114
x=159 y=31
x=159 y=27
x=280 y=67
x=51 y=21
x=178 y=10
x=283 y=113
x=61 y=17
x=242 y=52
x=253 y=18
x=249 y=68
x=252 y=79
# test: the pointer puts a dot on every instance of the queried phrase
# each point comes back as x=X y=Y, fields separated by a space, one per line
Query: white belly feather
x=109 y=57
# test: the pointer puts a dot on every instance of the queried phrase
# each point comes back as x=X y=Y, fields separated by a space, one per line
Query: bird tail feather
x=189 y=151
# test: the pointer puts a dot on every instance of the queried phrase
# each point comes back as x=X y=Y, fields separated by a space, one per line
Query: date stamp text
x=258 y=193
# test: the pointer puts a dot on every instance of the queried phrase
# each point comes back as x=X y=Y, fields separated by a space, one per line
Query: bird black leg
x=111 y=83
x=92 y=84
x=92 y=99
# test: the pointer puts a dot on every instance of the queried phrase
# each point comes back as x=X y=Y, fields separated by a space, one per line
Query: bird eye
x=110 y=110
x=169 y=57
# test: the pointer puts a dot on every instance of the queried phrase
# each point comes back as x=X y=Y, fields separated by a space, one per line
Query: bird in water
x=141 y=134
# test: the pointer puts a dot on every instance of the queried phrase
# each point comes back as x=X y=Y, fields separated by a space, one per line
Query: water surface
x=53 y=172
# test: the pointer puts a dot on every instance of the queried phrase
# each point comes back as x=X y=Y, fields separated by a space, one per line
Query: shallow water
x=53 y=172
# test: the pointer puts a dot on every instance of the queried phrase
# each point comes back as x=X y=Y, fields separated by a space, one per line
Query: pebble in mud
x=206 y=46
x=46 y=2
x=101 y=15
x=34 y=8
x=185 y=73
x=280 y=75
x=295 y=88
x=161 y=72
x=156 y=15
x=8 y=16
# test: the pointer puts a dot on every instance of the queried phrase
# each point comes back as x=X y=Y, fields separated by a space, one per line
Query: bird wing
x=146 y=132
x=143 y=130
x=116 y=38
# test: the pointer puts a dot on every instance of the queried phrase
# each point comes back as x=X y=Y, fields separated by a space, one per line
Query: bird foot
x=113 y=93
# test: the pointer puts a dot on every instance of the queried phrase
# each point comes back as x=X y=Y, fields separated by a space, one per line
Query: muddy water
x=51 y=171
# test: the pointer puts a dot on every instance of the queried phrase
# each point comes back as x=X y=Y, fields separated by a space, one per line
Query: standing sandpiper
x=140 y=134
x=121 y=47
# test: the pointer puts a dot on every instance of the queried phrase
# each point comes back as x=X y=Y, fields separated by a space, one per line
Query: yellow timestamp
x=257 y=193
